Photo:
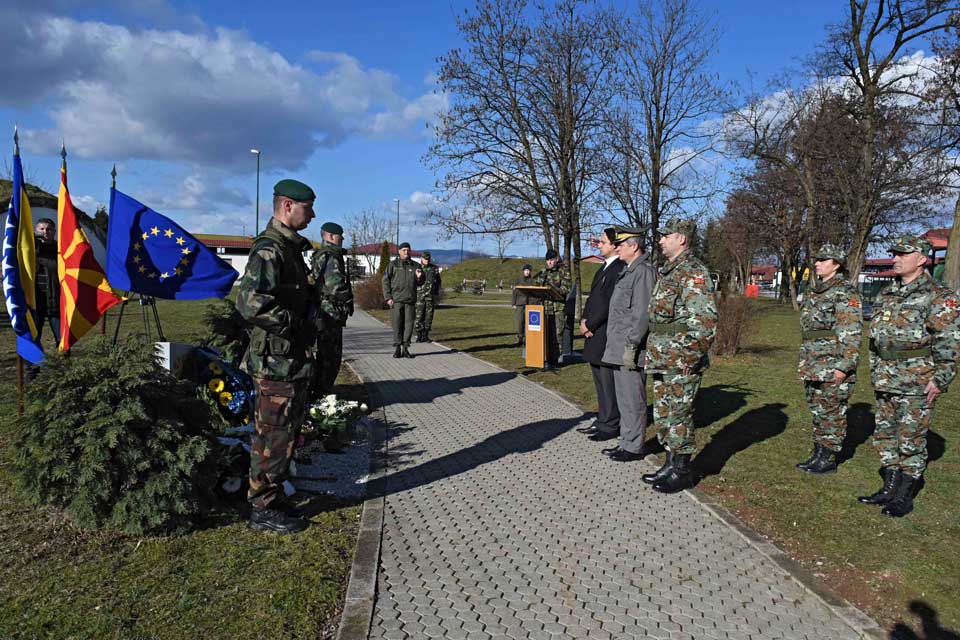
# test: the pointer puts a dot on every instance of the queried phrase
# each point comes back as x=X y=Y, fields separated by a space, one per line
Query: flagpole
x=16 y=152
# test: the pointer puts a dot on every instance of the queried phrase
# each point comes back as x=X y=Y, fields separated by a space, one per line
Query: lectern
x=535 y=322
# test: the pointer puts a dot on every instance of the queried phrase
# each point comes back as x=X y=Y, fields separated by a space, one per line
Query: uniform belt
x=816 y=334
x=902 y=354
x=669 y=327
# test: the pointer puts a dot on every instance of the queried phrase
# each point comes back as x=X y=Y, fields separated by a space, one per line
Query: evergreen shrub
x=116 y=442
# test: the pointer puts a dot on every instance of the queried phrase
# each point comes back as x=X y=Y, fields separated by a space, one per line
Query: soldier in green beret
x=428 y=288
x=914 y=350
x=330 y=276
x=400 y=294
x=275 y=297
x=830 y=323
x=683 y=323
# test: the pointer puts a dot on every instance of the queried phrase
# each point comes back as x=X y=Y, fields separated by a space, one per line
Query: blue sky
x=334 y=93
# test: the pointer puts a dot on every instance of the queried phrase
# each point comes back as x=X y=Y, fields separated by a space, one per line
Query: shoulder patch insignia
x=953 y=304
x=853 y=302
x=699 y=280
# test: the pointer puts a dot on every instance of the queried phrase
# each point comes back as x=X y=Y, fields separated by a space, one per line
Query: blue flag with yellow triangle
x=150 y=254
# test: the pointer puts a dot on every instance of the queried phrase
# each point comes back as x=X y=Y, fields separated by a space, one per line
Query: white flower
x=364 y=408
x=331 y=399
x=331 y=411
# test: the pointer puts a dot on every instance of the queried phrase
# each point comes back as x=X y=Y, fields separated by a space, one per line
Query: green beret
x=679 y=225
x=911 y=244
x=527 y=267
x=831 y=252
x=332 y=227
x=295 y=190
x=425 y=254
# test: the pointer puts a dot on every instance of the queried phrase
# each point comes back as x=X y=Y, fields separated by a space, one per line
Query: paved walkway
x=501 y=521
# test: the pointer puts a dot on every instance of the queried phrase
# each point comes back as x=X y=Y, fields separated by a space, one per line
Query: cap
x=911 y=244
x=332 y=227
x=679 y=225
x=527 y=267
x=425 y=254
x=295 y=190
x=404 y=245
x=622 y=233
x=550 y=255
x=831 y=252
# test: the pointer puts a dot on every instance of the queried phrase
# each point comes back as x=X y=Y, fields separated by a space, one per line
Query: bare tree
x=660 y=139
x=370 y=227
x=503 y=239
x=946 y=95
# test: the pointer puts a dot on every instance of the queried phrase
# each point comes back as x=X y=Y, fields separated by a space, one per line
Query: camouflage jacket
x=328 y=273
x=429 y=284
x=914 y=337
x=400 y=281
x=683 y=317
x=559 y=280
x=274 y=298
x=831 y=323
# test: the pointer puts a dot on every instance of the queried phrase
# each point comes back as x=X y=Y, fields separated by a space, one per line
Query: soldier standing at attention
x=274 y=298
x=914 y=348
x=400 y=292
x=520 y=302
x=555 y=276
x=428 y=276
x=683 y=323
x=329 y=274
x=830 y=322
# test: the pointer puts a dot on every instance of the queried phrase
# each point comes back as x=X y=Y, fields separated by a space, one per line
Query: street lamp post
x=256 y=229
x=398 y=222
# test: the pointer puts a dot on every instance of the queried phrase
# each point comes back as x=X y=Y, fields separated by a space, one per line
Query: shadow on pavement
x=752 y=427
x=429 y=389
x=522 y=439
x=930 y=627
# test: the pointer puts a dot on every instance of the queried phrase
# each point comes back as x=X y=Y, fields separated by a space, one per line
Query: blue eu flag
x=150 y=254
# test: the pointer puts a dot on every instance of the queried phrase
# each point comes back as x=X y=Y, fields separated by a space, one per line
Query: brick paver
x=501 y=521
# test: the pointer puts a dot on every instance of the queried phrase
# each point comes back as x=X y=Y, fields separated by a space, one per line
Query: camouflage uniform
x=427 y=292
x=400 y=284
x=830 y=322
x=683 y=322
x=274 y=297
x=554 y=310
x=328 y=273
x=914 y=339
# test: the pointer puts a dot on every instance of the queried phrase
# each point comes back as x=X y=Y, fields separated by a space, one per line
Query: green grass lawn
x=493 y=270
x=753 y=427
x=222 y=581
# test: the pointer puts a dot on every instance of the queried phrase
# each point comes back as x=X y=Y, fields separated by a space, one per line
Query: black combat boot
x=679 y=477
x=902 y=503
x=661 y=473
x=813 y=456
x=886 y=493
x=826 y=462
x=406 y=352
x=276 y=521
x=396 y=352
x=426 y=335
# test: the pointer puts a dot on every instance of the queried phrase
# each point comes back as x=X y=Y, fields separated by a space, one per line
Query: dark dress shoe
x=609 y=450
x=396 y=352
x=276 y=521
x=603 y=436
x=886 y=493
x=659 y=474
x=622 y=455
x=406 y=352
x=589 y=429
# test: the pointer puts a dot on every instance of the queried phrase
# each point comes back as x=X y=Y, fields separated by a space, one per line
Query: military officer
x=520 y=301
x=683 y=323
x=329 y=274
x=274 y=297
x=914 y=348
x=830 y=323
x=555 y=276
x=428 y=276
x=400 y=293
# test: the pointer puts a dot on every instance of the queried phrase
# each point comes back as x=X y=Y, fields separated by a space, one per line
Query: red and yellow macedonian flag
x=85 y=293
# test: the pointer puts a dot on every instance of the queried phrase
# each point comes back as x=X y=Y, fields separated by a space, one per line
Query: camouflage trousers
x=901 y=433
x=280 y=410
x=828 y=405
x=673 y=396
x=553 y=328
x=329 y=359
x=424 y=314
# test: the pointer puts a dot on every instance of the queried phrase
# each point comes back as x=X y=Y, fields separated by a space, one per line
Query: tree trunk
x=951 y=274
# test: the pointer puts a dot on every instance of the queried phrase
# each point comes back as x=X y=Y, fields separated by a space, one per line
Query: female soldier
x=830 y=321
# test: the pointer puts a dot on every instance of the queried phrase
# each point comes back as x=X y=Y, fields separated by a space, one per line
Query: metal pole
x=461 y=246
x=257 y=228
x=398 y=223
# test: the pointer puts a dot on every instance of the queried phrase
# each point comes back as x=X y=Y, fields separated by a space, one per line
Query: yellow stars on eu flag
x=142 y=269
x=180 y=240
x=136 y=246
x=185 y=261
x=165 y=274
x=185 y=251
x=154 y=231
x=145 y=235
x=136 y=259
x=178 y=271
x=168 y=233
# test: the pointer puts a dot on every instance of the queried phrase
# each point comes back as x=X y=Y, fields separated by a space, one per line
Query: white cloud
x=204 y=98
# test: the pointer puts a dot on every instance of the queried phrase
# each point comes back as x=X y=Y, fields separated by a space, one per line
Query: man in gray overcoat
x=627 y=325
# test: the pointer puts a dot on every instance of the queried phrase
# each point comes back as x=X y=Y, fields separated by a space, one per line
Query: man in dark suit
x=593 y=326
